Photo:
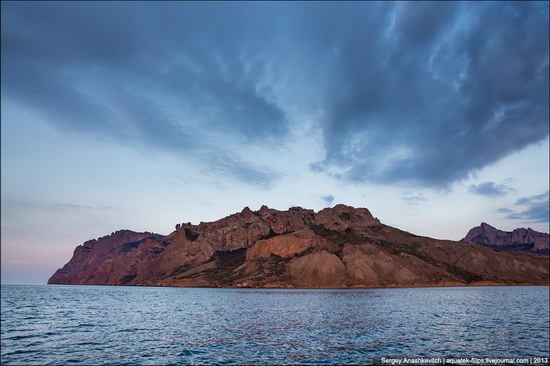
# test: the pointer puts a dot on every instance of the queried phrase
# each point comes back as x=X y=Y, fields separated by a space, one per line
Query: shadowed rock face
x=488 y=235
x=336 y=247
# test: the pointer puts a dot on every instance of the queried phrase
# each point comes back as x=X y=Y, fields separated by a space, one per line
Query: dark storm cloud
x=430 y=96
x=401 y=92
x=173 y=77
x=490 y=189
x=328 y=199
x=530 y=209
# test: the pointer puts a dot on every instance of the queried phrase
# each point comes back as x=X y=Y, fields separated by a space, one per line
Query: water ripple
x=135 y=325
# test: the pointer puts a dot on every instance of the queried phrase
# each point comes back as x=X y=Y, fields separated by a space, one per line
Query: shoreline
x=477 y=284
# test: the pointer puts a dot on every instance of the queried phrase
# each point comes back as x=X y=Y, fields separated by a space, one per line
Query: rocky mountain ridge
x=340 y=246
x=488 y=235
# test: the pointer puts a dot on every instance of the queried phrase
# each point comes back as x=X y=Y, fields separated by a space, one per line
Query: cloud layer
x=490 y=189
x=422 y=93
x=530 y=209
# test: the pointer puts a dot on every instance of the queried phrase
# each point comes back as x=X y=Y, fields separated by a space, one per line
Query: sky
x=142 y=115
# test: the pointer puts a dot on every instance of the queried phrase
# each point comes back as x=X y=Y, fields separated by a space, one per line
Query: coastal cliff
x=340 y=246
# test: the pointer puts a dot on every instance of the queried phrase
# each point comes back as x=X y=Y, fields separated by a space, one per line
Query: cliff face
x=108 y=260
x=335 y=247
x=488 y=235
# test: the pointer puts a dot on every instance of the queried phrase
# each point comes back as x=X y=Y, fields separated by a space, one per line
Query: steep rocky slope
x=525 y=238
x=335 y=247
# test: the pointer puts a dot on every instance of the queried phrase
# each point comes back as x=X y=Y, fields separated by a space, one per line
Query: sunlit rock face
x=340 y=246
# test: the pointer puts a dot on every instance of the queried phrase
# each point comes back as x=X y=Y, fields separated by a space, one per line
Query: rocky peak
x=264 y=211
x=489 y=235
x=89 y=244
x=115 y=237
x=341 y=217
x=486 y=226
x=247 y=211
x=243 y=229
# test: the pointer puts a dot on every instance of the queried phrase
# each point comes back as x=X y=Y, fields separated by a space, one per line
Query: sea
x=55 y=324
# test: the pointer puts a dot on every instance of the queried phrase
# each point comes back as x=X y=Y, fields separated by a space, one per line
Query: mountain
x=335 y=247
x=519 y=238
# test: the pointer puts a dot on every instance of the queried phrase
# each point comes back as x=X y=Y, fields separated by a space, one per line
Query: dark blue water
x=139 y=325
